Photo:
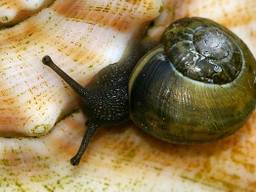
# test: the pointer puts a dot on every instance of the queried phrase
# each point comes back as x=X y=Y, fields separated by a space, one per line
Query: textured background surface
x=124 y=158
x=14 y=11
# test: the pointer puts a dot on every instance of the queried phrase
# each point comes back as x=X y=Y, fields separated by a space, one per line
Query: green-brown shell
x=199 y=85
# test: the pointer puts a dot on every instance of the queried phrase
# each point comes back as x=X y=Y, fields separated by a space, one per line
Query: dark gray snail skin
x=105 y=99
x=197 y=85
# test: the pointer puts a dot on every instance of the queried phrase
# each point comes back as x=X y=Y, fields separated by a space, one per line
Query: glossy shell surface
x=197 y=87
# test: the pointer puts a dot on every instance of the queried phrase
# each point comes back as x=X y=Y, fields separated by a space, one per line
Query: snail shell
x=197 y=86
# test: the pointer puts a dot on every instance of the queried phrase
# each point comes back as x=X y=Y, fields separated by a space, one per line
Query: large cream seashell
x=126 y=159
x=14 y=11
x=81 y=36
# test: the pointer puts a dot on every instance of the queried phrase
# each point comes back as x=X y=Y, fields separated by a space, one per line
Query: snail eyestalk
x=76 y=86
x=92 y=127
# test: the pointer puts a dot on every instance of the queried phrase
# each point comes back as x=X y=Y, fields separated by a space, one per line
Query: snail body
x=197 y=85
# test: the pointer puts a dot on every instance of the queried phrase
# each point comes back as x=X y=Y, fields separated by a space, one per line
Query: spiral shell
x=197 y=87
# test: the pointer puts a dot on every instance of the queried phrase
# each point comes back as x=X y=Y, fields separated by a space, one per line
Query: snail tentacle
x=76 y=86
x=91 y=129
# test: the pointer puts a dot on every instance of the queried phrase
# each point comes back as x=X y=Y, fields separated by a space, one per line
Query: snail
x=197 y=85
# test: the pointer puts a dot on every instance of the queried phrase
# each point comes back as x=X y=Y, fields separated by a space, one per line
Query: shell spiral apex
x=203 y=50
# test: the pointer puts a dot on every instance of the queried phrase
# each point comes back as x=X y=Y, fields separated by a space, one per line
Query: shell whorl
x=204 y=51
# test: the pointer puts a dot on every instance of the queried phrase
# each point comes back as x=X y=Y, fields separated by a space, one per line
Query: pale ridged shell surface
x=125 y=159
x=14 y=11
x=81 y=36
